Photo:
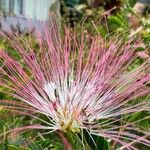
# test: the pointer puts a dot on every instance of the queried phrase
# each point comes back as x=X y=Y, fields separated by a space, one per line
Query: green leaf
x=12 y=147
x=96 y=142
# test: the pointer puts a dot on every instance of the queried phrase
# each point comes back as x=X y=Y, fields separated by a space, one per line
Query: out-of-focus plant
x=78 y=86
x=106 y=19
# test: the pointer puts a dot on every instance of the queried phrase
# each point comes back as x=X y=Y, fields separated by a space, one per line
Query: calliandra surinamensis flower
x=78 y=82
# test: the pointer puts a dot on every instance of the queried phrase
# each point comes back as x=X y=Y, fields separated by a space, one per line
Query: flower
x=79 y=82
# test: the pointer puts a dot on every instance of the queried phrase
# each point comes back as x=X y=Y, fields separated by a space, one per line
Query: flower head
x=78 y=82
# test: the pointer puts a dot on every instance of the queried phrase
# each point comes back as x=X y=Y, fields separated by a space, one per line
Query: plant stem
x=67 y=144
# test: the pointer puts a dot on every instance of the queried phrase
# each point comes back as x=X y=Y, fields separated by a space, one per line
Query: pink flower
x=144 y=55
x=78 y=83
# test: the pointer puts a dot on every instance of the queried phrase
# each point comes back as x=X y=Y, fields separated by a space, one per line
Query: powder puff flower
x=79 y=82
